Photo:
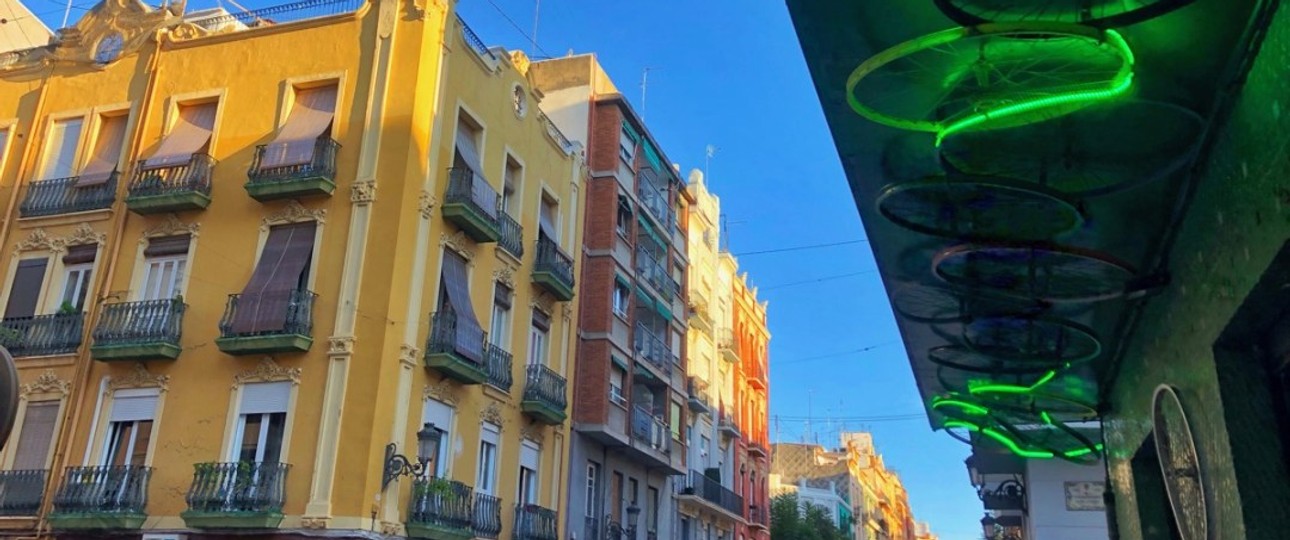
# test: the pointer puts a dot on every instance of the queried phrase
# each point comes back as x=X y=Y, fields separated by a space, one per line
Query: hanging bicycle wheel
x=1098 y=13
x=1094 y=151
x=979 y=208
x=942 y=305
x=1030 y=400
x=958 y=381
x=1032 y=337
x=1044 y=434
x=992 y=76
x=965 y=359
x=1049 y=273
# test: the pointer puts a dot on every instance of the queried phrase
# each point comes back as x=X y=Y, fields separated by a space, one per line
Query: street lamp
x=990 y=526
x=397 y=465
x=633 y=515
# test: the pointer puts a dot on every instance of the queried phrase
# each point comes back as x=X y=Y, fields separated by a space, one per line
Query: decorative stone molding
x=426 y=204
x=84 y=234
x=130 y=22
x=185 y=31
x=47 y=383
x=363 y=192
x=459 y=243
x=408 y=354
x=441 y=392
x=314 y=522
x=267 y=371
x=38 y=240
x=139 y=378
x=566 y=312
x=533 y=432
x=506 y=276
x=544 y=303
x=294 y=213
x=171 y=227
x=340 y=345
x=493 y=415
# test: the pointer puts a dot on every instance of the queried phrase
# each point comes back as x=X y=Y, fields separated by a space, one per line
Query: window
x=538 y=336
x=593 y=479
x=616 y=376
x=60 y=149
x=164 y=264
x=677 y=340
x=651 y=510
x=530 y=457
x=704 y=444
x=627 y=145
x=500 y=332
x=549 y=218
x=676 y=420
x=24 y=295
x=104 y=160
x=262 y=420
x=621 y=299
x=309 y=121
x=37 y=436
x=624 y=223
x=276 y=285
x=439 y=415
x=511 y=180
x=488 y=458
x=469 y=140
x=190 y=134
x=78 y=264
x=130 y=427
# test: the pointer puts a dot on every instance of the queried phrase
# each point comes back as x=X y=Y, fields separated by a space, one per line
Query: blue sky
x=730 y=73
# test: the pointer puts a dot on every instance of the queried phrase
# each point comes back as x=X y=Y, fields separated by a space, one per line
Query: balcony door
x=261 y=423
x=130 y=428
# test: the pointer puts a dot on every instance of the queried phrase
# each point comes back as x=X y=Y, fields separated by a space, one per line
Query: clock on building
x=109 y=48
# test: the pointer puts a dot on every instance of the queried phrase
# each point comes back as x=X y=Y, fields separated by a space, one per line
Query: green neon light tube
x=1013 y=388
x=970 y=408
x=1014 y=447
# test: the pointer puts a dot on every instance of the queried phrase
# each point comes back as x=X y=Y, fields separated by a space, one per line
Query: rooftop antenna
x=813 y=438
x=644 y=84
x=537 y=14
x=67 y=14
x=710 y=151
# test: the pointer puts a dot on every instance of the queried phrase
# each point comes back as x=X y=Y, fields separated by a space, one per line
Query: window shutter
x=264 y=302
x=310 y=118
x=439 y=414
x=541 y=320
x=270 y=397
x=167 y=245
x=190 y=135
x=26 y=288
x=469 y=339
x=133 y=405
x=37 y=435
x=503 y=295
x=465 y=145
x=107 y=152
x=60 y=149
x=530 y=455
x=489 y=432
x=80 y=254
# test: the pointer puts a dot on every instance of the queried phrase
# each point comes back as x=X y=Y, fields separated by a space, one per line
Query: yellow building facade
x=307 y=267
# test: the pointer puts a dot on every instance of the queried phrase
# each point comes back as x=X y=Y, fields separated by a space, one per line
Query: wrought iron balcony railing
x=280 y=14
x=452 y=353
x=654 y=200
x=553 y=268
x=545 y=387
x=473 y=40
x=43 y=334
x=442 y=504
x=533 y=522
x=497 y=363
x=654 y=273
x=240 y=487
x=321 y=164
x=653 y=349
x=511 y=234
x=473 y=205
x=138 y=323
x=712 y=491
x=698 y=393
x=487 y=516
x=21 y=492
x=192 y=176
x=103 y=490
x=297 y=307
x=62 y=196
x=650 y=430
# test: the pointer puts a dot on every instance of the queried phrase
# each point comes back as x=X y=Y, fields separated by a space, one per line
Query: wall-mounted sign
x=1085 y=496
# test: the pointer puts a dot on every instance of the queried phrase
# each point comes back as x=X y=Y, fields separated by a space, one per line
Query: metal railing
x=193 y=175
x=443 y=336
x=728 y=425
x=550 y=258
x=473 y=40
x=712 y=491
x=758 y=517
x=592 y=528
x=532 y=522
x=443 y=503
x=654 y=200
x=43 y=334
x=21 y=492
x=543 y=384
x=726 y=341
x=103 y=490
x=131 y=323
x=486 y=518
x=512 y=234
x=61 y=196
x=238 y=487
x=698 y=390
x=653 y=349
x=652 y=431
x=655 y=274
x=297 y=306
x=497 y=364
x=281 y=14
x=467 y=187
x=321 y=164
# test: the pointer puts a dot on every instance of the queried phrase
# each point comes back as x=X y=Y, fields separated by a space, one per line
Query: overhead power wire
x=517 y=28
x=832 y=355
x=801 y=248
x=816 y=280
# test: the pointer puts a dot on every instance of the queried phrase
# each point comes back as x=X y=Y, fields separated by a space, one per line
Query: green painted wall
x=1238 y=222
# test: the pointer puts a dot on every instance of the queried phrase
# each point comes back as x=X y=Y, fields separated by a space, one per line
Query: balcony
x=171 y=188
x=728 y=428
x=62 y=196
x=651 y=438
x=472 y=205
x=698 y=391
x=267 y=323
x=698 y=487
x=757 y=449
x=1008 y=495
x=236 y=495
x=440 y=510
x=553 y=269
x=651 y=271
x=21 y=492
x=758 y=518
x=652 y=348
x=511 y=238
x=486 y=518
x=315 y=178
x=42 y=335
x=146 y=330
x=700 y=314
x=101 y=498
x=497 y=367
x=444 y=354
x=654 y=200
x=532 y=522
x=757 y=376
x=728 y=345
x=544 y=395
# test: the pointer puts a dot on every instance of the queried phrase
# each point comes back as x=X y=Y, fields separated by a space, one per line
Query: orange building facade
x=752 y=391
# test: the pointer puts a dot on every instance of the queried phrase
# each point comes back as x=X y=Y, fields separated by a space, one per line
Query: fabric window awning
x=651 y=155
x=107 y=152
x=25 y=292
x=546 y=222
x=167 y=245
x=631 y=133
x=191 y=134
x=310 y=118
x=81 y=254
x=649 y=229
x=466 y=146
x=264 y=303
x=468 y=337
x=644 y=298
